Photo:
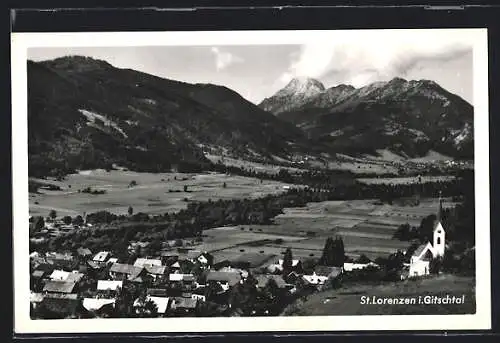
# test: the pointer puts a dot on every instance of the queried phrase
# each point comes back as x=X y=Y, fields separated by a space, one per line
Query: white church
x=421 y=258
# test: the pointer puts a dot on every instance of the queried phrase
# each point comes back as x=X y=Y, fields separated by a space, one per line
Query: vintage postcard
x=251 y=181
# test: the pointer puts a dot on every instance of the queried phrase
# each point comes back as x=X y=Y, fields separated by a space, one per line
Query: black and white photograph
x=197 y=180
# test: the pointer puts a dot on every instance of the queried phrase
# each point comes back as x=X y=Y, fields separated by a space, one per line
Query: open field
x=366 y=227
x=348 y=299
x=154 y=193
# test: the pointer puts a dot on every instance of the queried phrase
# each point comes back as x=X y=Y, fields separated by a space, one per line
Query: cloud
x=224 y=59
x=359 y=57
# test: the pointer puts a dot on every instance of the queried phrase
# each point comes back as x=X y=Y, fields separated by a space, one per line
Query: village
x=180 y=280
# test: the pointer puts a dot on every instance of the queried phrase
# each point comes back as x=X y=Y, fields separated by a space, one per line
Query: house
x=263 y=279
x=181 y=281
x=184 y=306
x=99 y=305
x=278 y=267
x=205 y=259
x=321 y=274
x=109 y=285
x=59 y=287
x=101 y=257
x=420 y=260
x=61 y=306
x=350 y=266
x=120 y=271
x=142 y=262
x=225 y=279
x=61 y=261
x=59 y=275
x=35 y=299
x=157 y=292
x=161 y=303
x=199 y=297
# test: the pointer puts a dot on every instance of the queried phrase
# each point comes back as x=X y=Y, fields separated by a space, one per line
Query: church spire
x=440 y=209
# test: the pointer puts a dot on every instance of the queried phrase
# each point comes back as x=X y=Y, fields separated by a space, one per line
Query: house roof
x=160 y=302
x=59 y=275
x=143 y=262
x=253 y=259
x=156 y=292
x=36 y=297
x=328 y=271
x=38 y=273
x=59 y=286
x=262 y=280
x=181 y=277
x=84 y=251
x=156 y=270
x=103 y=285
x=125 y=269
x=74 y=276
x=180 y=302
x=176 y=265
x=169 y=254
x=294 y=262
x=94 y=265
x=421 y=249
x=232 y=278
x=95 y=304
x=101 y=256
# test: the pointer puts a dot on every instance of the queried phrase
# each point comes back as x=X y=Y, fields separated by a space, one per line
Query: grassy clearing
x=347 y=300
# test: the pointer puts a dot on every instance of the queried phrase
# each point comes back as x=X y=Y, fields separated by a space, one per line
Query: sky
x=258 y=71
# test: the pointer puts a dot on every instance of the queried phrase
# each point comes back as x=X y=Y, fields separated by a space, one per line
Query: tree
x=287 y=262
x=130 y=210
x=333 y=252
x=39 y=223
x=435 y=265
x=185 y=188
x=363 y=259
x=53 y=214
x=132 y=183
x=67 y=220
x=78 y=220
x=224 y=185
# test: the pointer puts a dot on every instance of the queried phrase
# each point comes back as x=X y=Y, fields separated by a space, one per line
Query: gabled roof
x=59 y=275
x=103 y=285
x=156 y=270
x=185 y=303
x=181 y=277
x=422 y=249
x=125 y=269
x=160 y=302
x=232 y=278
x=95 y=304
x=84 y=251
x=59 y=286
x=156 y=292
x=143 y=262
x=328 y=271
x=38 y=273
x=102 y=256
x=262 y=280
x=253 y=259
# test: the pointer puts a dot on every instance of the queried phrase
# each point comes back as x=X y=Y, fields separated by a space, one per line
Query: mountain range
x=84 y=113
x=406 y=117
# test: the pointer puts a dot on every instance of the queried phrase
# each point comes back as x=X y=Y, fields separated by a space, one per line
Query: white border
x=20 y=42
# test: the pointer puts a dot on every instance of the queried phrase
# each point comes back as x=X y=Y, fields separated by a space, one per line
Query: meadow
x=366 y=226
x=153 y=194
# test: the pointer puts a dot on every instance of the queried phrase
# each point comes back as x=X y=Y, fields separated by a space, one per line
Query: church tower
x=439 y=234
